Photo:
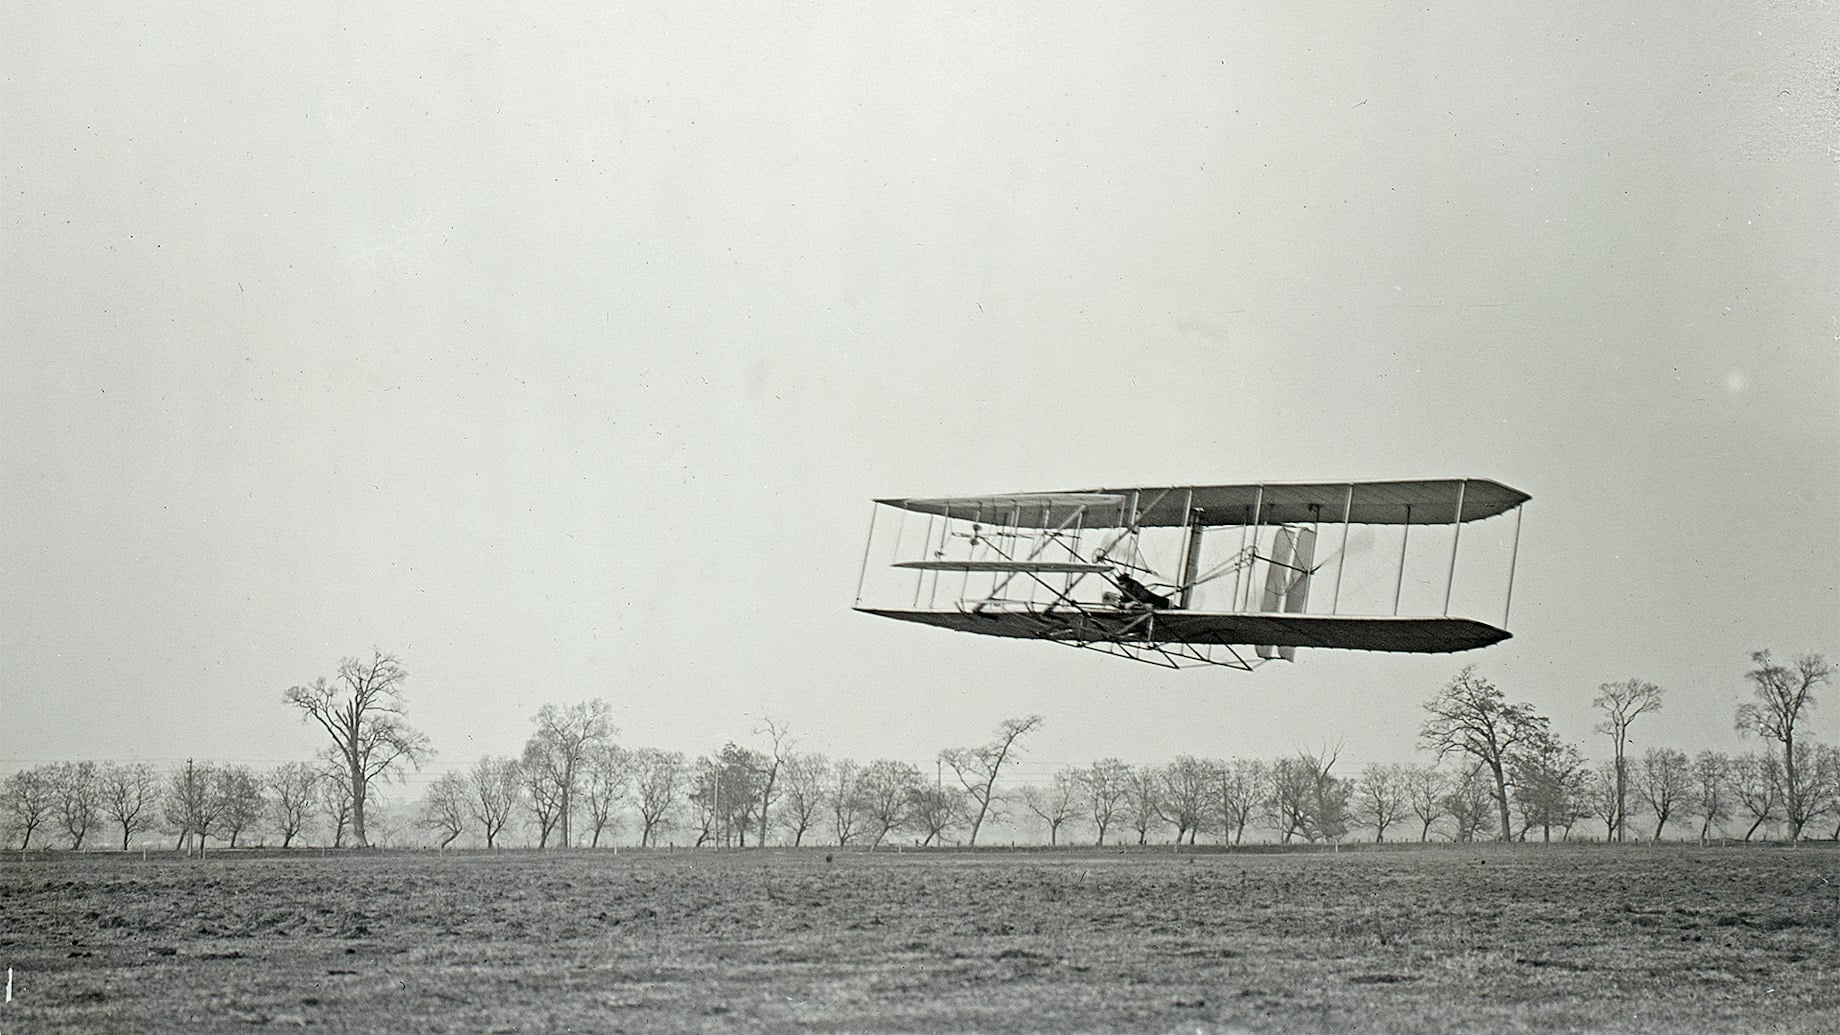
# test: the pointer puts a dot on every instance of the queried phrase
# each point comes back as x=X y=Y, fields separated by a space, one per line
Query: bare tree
x=361 y=709
x=1187 y=794
x=1143 y=801
x=1379 y=797
x=78 y=789
x=658 y=779
x=1819 y=765
x=805 y=776
x=1468 y=802
x=1307 y=799
x=1469 y=716
x=1426 y=789
x=846 y=801
x=725 y=789
x=242 y=801
x=444 y=807
x=192 y=803
x=1108 y=784
x=129 y=794
x=1757 y=781
x=1239 y=787
x=495 y=788
x=1057 y=802
x=541 y=791
x=1782 y=694
x=1600 y=798
x=334 y=790
x=29 y=801
x=934 y=809
x=607 y=780
x=1712 y=792
x=293 y=799
x=887 y=790
x=1549 y=784
x=1664 y=779
x=1622 y=704
x=977 y=768
x=773 y=763
x=557 y=754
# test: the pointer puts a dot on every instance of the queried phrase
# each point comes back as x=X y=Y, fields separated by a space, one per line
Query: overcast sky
x=559 y=349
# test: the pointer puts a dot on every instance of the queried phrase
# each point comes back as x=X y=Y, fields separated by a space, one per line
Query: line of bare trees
x=1500 y=769
x=89 y=803
x=572 y=770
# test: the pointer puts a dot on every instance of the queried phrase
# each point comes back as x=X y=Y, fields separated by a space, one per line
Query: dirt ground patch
x=1443 y=938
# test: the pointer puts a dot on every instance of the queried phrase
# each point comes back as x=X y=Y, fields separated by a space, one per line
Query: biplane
x=1232 y=575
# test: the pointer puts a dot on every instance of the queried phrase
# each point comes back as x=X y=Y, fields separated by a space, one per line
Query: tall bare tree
x=1623 y=703
x=1781 y=695
x=495 y=788
x=293 y=800
x=977 y=768
x=361 y=709
x=129 y=795
x=1469 y=716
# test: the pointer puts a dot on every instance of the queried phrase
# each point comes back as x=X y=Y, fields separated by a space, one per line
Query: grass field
x=1442 y=938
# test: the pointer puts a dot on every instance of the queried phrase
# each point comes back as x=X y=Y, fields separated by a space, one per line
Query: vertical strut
x=1456 y=532
x=1405 y=539
x=1258 y=517
x=1513 y=557
x=1241 y=560
x=1191 y=553
x=1335 y=601
x=864 y=572
x=926 y=544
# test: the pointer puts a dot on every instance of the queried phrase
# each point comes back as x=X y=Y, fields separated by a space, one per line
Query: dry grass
x=1436 y=939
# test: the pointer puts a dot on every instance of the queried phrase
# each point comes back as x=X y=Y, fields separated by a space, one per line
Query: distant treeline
x=1500 y=774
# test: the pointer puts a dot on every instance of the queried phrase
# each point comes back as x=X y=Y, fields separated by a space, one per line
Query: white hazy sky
x=559 y=348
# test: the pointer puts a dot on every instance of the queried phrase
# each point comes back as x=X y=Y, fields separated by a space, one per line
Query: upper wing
x=1422 y=502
